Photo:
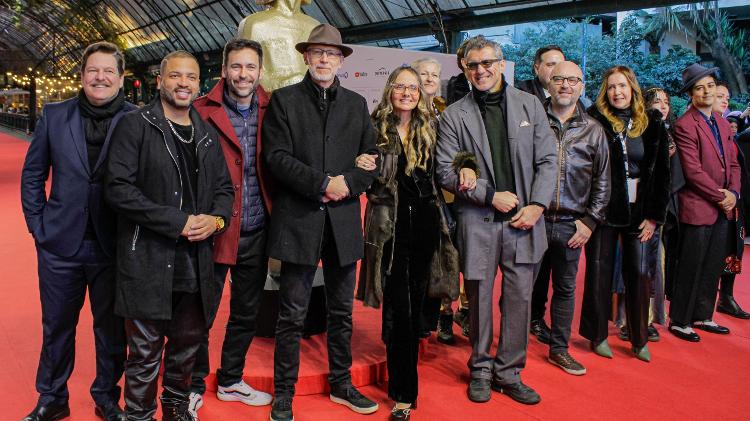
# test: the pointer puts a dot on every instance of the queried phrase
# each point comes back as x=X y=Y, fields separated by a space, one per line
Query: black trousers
x=405 y=295
x=62 y=290
x=703 y=249
x=561 y=262
x=639 y=265
x=146 y=344
x=295 y=285
x=248 y=278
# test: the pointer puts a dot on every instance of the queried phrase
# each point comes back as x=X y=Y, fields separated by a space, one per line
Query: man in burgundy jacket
x=707 y=202
x=235 y=107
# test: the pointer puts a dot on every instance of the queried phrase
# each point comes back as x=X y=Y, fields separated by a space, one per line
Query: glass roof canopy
x=55 y=31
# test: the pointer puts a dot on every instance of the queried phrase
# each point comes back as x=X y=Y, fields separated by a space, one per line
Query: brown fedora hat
x=325 y=34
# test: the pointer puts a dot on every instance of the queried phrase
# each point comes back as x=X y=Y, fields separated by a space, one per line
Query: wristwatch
x=219 y=223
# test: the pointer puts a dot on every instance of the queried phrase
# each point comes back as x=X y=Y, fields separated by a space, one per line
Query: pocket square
x=524 y=124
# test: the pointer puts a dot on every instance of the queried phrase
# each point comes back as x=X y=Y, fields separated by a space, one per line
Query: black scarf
x=96 y=120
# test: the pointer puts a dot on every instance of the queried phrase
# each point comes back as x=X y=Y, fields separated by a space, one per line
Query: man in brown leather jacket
x=581 y=195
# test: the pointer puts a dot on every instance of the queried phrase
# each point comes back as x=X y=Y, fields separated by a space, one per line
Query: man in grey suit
x=503 y=134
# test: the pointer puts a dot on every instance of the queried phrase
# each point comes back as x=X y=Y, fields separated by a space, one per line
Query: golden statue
x=278 y=30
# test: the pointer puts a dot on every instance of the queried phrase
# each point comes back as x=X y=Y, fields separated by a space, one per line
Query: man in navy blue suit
x=74 y=232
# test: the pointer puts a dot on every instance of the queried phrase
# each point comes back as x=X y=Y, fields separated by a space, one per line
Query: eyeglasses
x=317 y=53
x=474 y=65
x=400 y=88
x=572 y=80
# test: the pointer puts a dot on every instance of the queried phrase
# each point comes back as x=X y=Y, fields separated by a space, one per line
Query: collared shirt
x=711 y=122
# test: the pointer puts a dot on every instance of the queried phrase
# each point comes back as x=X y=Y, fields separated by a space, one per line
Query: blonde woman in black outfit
x=639 y=163
x=407 y=242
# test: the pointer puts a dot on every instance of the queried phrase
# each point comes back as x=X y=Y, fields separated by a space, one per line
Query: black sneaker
x=653 y=334
x=445 y=330
x=540 y=329
x=565 y=361
x=350 y=397
x=479 y=390
x=519 y=392
x=281 y=409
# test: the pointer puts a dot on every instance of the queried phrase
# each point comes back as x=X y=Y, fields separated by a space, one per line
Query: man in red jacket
x=235 y=107
x=707 y=202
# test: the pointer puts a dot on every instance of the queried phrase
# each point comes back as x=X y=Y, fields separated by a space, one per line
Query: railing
x=16 y=121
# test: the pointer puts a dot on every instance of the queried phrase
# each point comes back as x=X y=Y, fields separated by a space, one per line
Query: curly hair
x=637 y=104
x=649 y=97
x=420 y=140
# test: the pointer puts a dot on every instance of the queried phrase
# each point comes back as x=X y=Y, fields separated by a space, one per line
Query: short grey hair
x=416 y=64
x=479 y=42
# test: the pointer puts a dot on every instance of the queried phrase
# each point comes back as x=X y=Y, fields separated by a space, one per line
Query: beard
x=237 y=93
x=321 y=77
x=169 y=97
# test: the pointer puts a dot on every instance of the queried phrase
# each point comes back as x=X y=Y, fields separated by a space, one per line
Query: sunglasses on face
x=474 y=65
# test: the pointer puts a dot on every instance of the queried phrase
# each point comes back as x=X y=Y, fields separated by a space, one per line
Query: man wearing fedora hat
x=313 y=131
x=707 y=203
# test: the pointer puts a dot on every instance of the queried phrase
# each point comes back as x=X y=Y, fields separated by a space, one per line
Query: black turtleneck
x=634 y=145
x=493 y=107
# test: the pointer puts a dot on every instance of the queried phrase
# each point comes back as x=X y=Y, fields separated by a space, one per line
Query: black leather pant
x=639 y=265
x=146 y=345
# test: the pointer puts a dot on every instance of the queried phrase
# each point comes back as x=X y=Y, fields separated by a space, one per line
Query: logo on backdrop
x=343 y=75
x=360 y=74
x=382 y=72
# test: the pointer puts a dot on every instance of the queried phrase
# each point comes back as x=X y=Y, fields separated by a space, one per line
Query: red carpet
x=685 y=381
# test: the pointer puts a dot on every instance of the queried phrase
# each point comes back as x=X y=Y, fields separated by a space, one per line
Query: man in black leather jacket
x=581 y=195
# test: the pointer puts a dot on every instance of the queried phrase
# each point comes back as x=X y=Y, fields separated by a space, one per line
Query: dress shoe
x=540 y=329
x=110 y=412
x=729 y=306
x=519 y=392
x=48 y=413
x=711 y=326
x=642 y=353
x=684 y=333
x=479 y=390
x=601 y=349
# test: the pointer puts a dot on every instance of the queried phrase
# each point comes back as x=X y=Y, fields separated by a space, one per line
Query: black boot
x=727 y=303
x=461 y=318
x=175 y=410
x=729 y=306
x=445 y=329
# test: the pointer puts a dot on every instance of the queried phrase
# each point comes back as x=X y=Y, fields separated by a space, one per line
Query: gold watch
x=219 y=223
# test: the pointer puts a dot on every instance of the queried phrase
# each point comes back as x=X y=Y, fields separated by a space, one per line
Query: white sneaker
x=242 y=392
x=196 y=402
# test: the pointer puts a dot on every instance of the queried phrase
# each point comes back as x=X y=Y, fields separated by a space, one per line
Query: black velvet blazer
x=654 y=186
